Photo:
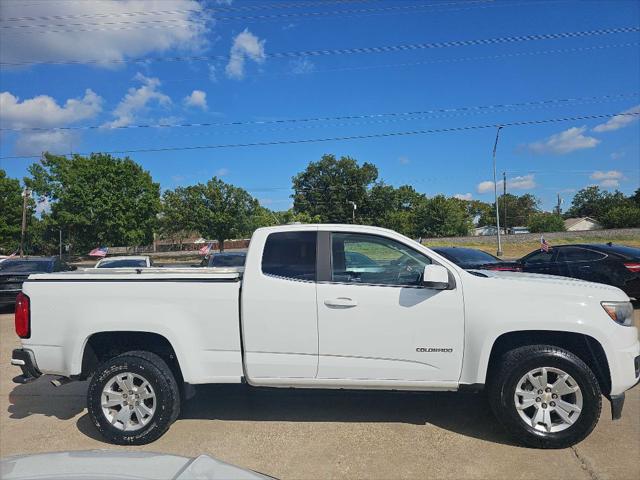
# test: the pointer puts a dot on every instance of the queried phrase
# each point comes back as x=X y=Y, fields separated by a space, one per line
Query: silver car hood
x=120 y=465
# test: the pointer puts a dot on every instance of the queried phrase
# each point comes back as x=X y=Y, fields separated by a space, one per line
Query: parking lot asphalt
x=324 y=434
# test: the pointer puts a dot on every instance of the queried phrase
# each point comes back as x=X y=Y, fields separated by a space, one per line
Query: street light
x=26 y=193
x=495 y=191
x=353 y=214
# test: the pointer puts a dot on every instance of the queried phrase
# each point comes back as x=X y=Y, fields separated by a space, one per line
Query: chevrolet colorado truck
x=332 y=306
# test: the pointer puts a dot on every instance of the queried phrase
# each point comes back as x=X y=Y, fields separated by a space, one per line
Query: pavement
x=300 y=434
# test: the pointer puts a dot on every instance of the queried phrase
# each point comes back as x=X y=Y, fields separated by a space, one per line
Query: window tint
x=575 y=254
x=540 y=257
x=124 y=263
x=227 y=260
x=368 y=259
x=290 y=255
x=26 y=266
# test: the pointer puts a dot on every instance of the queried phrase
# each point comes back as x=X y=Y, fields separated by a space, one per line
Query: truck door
x=377 y=322
x=279 y=317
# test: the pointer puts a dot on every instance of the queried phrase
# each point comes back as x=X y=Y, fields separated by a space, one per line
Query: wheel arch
x=587 y=348
x=101 y=346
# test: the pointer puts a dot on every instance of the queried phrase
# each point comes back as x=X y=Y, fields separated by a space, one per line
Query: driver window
x=369 y=259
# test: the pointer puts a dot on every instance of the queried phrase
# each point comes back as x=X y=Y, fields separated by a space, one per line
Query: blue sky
x=242 y=76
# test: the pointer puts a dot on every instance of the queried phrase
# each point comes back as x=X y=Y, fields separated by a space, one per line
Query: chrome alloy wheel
x=128 y=401
x=548 y=399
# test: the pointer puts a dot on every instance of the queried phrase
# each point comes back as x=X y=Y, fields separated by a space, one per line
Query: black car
x=224 y=259
x=472 y=259
x=616 y=265
x=14 y=271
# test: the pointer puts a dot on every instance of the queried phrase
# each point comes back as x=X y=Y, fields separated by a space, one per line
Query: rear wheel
x=133 y=398
x=545 y=396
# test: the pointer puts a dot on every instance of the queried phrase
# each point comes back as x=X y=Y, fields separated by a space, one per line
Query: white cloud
x=608 y=179
x=53 y=141
x=198 y=99
x=525 y=182
x=245 y=45
x=485 y=187
x=302 y=66
x=151 y=26
x=221 y=172
x=564 y=142
x=404 y=160
x=465 y=196
x=619 y=121
x=43 y=111
x=136 y=100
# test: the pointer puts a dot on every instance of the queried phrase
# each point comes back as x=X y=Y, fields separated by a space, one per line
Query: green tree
x=176 y=220
x=98 y=200
x=10 y=213
x=442 y=216
x=519 y=210
x=222 y=211
x=635 y=198
x=543 y=222
x=326 y=187
x=621 y=216
x=594 y=202
x=394 y=208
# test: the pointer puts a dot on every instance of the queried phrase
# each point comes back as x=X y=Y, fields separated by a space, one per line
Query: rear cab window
x=291 y=255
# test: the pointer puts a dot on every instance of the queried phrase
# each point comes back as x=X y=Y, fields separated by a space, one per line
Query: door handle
x=341 y=302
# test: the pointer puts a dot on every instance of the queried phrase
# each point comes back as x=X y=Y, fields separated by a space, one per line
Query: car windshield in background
x=25 y=266
x=467 y=256
x=123 y=263
x=227 y=260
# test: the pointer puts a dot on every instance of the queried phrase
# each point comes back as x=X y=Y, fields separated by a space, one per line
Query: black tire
x=167 y=396
x=517 y=363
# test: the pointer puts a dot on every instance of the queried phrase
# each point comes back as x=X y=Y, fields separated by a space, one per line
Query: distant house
x=485 y=230
x=581 y=224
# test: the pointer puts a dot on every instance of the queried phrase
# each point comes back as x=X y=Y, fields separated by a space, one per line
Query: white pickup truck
x=332 y=306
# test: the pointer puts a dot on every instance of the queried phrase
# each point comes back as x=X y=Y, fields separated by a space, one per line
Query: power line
x=349 y=12
x=354 y=50
x=432 y=61
x=222 y=8
x=464 y=109
x=348 y=137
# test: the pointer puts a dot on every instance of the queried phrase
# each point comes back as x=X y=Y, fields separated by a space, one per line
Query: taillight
x=633 y=267
x=23 y=316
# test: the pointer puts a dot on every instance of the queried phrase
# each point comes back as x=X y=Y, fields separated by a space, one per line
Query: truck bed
x=196 y=310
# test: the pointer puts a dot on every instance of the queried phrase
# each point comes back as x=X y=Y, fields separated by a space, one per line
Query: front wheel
x=545 y=396
x=133 y=398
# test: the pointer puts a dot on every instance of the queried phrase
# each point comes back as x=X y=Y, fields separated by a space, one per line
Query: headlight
x=620 y=312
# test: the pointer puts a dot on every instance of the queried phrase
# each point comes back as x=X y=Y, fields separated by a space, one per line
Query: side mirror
x=436 y=277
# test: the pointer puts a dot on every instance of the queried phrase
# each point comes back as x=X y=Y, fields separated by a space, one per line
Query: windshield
x=467 y=256
x=26 y=266
x=123 y=263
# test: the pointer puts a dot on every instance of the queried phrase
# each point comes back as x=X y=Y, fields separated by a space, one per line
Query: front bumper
x=26 y=361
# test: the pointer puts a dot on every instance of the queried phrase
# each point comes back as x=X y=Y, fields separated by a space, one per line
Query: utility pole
x=504 y=200
x=60 y=242
x=559 y=206
x=25 y=194
x=353 y=213
x=495 y=192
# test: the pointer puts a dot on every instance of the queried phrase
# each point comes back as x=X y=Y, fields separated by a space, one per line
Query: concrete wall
x=592 y=236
